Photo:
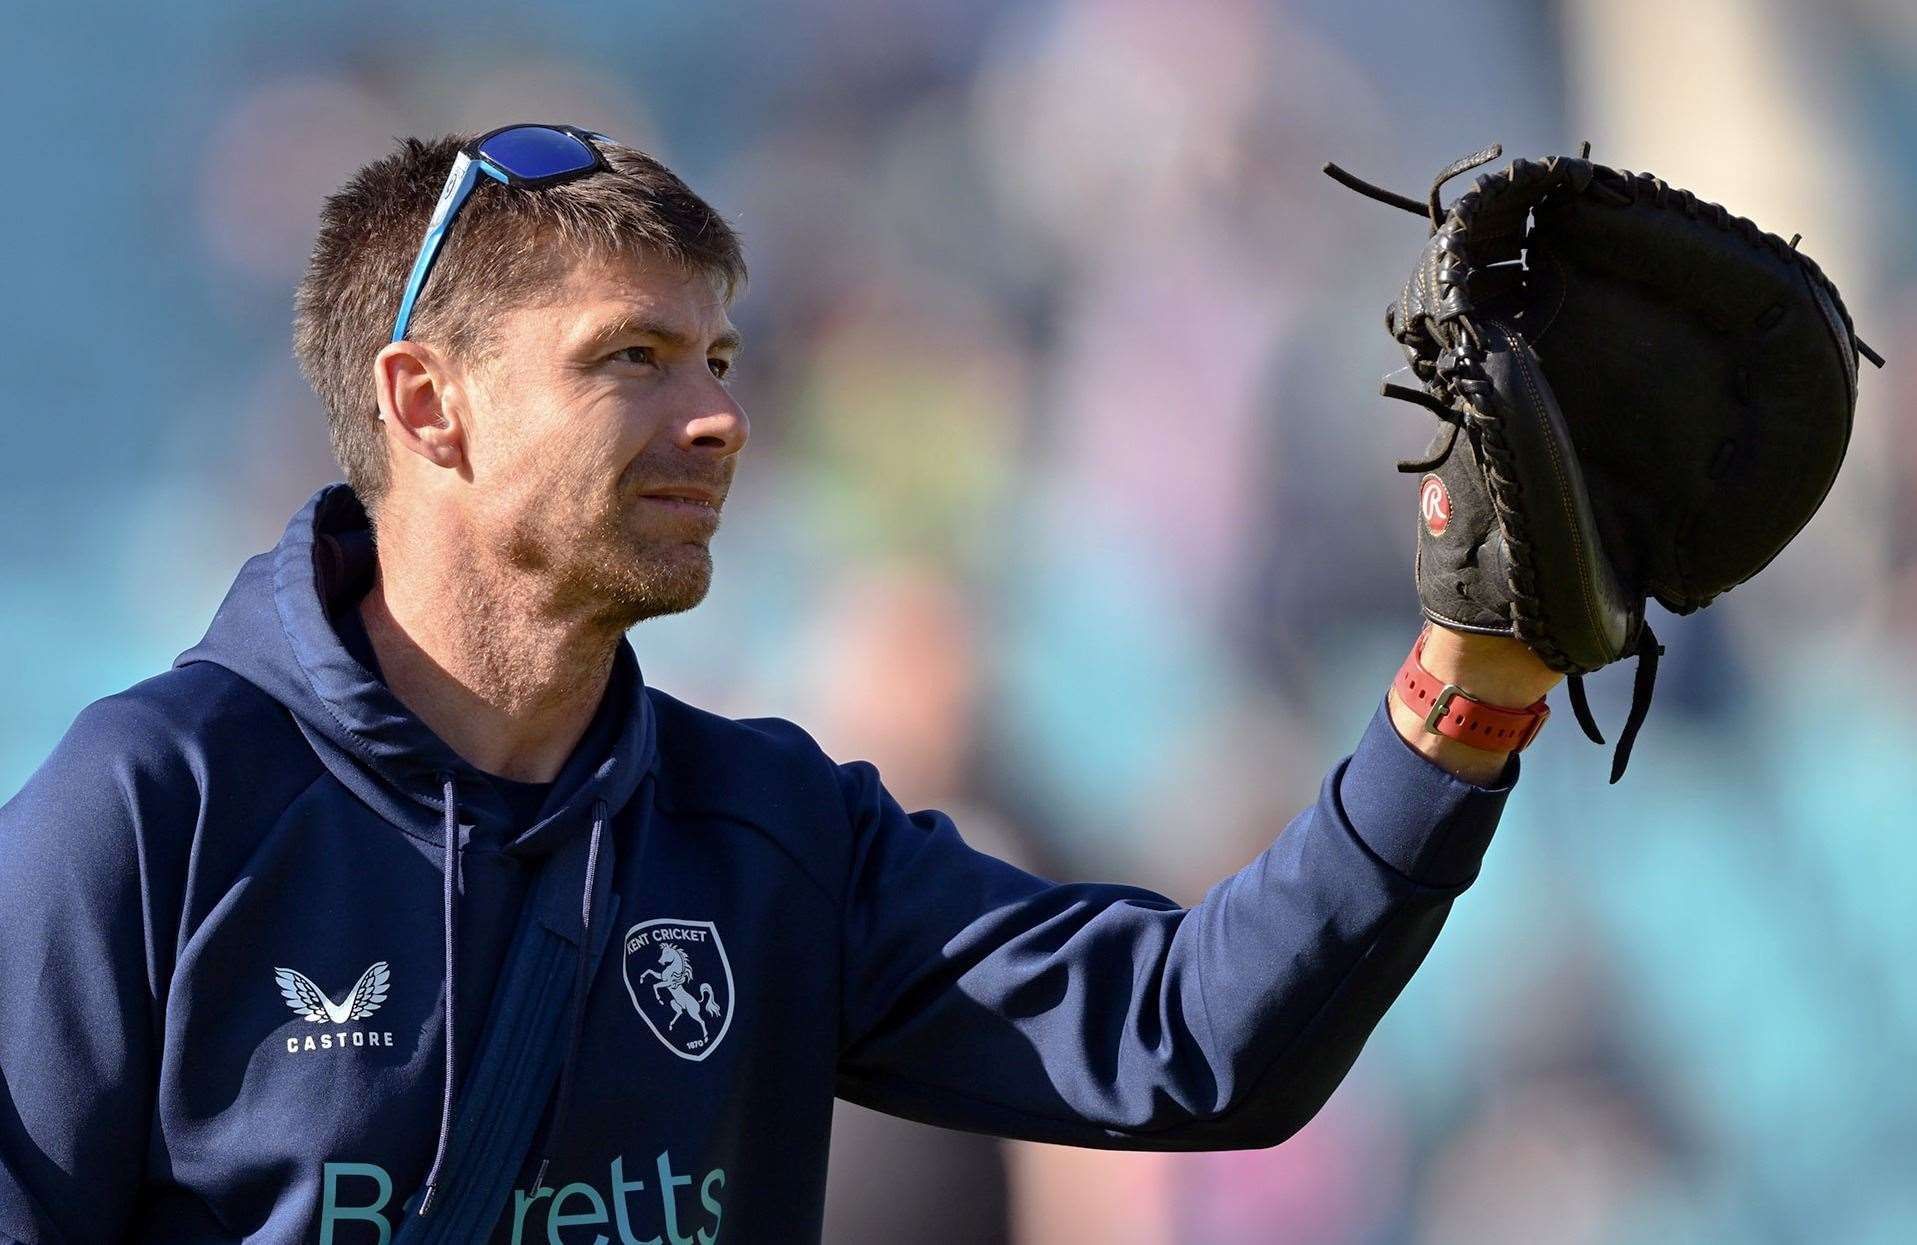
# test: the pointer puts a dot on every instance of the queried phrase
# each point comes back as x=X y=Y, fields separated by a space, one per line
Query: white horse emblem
x=680 y=982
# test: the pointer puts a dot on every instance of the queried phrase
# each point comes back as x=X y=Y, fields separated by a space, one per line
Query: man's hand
x=1493 y=668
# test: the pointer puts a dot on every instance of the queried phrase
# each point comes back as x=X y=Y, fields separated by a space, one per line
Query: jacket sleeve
x=981 y=997
x=78 y=987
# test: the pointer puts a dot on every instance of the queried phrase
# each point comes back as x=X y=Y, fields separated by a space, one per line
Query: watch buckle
x=1442 y=706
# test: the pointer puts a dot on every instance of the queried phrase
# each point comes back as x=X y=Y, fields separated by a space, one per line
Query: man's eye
x=634 y=354
x=719 y=367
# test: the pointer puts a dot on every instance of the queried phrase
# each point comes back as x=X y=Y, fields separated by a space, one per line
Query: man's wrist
x=1494 y=669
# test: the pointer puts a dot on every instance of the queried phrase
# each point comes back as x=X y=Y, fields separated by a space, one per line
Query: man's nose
x=716 y=423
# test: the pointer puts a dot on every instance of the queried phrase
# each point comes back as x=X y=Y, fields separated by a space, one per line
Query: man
x=401 y=909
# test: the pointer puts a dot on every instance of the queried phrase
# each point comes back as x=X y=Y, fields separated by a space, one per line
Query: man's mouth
x=688 y=502
x=686 y=492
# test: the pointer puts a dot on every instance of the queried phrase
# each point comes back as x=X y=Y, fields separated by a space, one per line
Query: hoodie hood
x=275 y=630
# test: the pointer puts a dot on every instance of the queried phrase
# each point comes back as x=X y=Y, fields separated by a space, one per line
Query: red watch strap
x=1451 y=711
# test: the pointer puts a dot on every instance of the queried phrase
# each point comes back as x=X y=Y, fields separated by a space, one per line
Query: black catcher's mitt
x=1642 y=395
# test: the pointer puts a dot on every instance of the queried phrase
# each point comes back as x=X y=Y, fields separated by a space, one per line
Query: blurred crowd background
x=1070 y=504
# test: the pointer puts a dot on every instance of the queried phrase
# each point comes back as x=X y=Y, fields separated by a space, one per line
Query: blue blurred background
x=1070 y=505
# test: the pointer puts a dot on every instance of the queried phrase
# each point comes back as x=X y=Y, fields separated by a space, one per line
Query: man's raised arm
x=981 y=997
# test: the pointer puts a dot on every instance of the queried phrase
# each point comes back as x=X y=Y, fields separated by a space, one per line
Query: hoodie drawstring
x=452 y=945
x=576 y=1010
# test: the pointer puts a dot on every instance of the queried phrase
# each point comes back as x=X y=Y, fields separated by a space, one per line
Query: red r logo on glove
x=1434 y=505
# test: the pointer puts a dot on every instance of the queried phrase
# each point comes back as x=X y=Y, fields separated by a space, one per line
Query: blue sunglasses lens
x=535 y=151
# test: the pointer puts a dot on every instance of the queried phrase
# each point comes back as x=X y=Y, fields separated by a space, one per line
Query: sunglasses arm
x=459 y=187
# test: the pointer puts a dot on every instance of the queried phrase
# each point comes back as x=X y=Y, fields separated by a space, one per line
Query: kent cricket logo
x=312 y=1003
x=680 y=981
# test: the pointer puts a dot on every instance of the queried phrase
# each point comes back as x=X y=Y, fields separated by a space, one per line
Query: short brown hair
x=505 y=247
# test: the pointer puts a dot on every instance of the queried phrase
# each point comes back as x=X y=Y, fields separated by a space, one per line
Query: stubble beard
x=606 y=566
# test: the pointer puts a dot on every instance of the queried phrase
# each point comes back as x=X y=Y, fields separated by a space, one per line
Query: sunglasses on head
x=528 y=156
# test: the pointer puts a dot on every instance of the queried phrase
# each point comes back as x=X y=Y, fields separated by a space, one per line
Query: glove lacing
x=1647 y=651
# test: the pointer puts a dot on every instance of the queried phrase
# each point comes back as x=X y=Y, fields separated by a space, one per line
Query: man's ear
x=419 y=401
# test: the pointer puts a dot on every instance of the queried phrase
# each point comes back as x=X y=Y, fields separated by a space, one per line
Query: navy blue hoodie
x=248 y=907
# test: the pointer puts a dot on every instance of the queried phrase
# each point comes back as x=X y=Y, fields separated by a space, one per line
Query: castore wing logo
x=311 y=1002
